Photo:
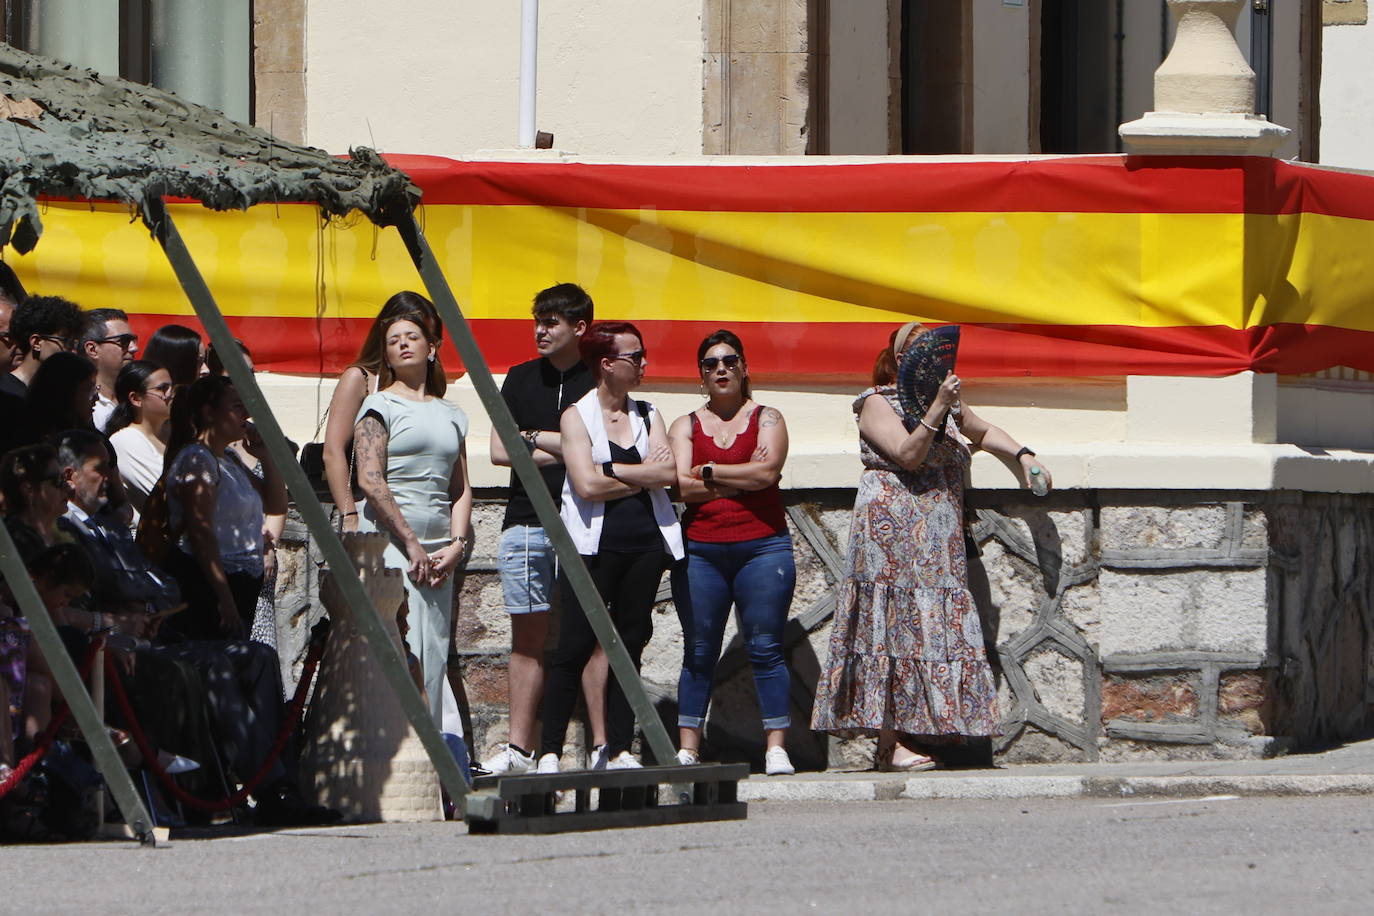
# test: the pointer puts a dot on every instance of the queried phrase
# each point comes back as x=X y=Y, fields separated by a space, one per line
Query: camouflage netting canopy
x=67 y=132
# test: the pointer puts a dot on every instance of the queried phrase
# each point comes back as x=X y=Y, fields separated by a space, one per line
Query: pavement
x=1344 y=770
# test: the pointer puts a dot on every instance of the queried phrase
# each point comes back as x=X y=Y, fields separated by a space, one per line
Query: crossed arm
x=586 y=477
x=762 y=470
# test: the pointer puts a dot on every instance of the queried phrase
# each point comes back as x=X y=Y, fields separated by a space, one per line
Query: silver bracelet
x=934 y=429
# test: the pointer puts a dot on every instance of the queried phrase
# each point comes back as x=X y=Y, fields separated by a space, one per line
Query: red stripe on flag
x=844 y=352
x=1096 y=184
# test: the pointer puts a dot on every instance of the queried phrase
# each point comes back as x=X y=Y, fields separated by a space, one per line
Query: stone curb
x=775 y=789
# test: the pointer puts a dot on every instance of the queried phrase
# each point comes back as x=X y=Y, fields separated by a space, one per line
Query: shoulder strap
x=642 y=407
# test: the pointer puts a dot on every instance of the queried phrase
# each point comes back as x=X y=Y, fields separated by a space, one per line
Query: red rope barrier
x=293 y=716
x=49 y=735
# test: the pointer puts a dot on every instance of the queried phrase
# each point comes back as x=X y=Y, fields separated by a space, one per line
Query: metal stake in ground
x=365 y=616
x=521 y=462
x=74 y=692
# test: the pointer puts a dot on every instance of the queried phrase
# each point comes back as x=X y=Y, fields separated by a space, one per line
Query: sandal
x=913 y=764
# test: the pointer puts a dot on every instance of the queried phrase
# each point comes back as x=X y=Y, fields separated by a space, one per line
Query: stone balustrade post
x=1204 y=91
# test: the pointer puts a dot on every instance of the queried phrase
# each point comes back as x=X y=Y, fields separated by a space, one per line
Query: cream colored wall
x=1347 y=97
x=860 y=83
x=616 y=77
x=1001 y=77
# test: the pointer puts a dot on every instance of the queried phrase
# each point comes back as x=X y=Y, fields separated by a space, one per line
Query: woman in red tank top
x=729 y=456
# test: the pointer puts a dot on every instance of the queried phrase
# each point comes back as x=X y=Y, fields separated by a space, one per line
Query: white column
x=1204 y=91
x=529 y=67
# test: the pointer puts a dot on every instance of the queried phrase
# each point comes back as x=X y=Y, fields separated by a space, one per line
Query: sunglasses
x=123 y=341
x=710 y=363
x=635 y=358
x=69 y=344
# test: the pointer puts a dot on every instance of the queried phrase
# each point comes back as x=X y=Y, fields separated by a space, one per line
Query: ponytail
x=188 y=413
x=132 y=379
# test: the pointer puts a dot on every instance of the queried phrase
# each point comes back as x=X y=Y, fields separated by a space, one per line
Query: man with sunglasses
x=110 y=345
x=40 y=327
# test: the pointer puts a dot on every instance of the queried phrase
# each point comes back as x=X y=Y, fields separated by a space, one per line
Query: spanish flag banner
x=1101 y=266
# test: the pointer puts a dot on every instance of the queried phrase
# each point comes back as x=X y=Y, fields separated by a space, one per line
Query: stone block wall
x=1126 y=624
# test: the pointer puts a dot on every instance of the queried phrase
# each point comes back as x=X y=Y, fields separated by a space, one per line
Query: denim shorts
x=529 y=569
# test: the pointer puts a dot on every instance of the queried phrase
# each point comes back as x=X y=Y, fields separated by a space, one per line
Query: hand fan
x=923 y=367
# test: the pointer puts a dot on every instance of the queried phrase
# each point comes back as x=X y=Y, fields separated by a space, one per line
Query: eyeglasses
x=70 y=344
x=709 y=363
x=635 y=358
x=165 y=391
x=123 y=341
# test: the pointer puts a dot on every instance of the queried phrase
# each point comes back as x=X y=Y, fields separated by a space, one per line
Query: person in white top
x=139 y=426
x=110 y=344
x=616 y=508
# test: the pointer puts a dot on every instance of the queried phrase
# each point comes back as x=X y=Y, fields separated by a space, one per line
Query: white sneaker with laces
x=777 y=763
x=548 y=764
x=624 y=761
x=688 y=758
x=510 y=761
x=599 y=760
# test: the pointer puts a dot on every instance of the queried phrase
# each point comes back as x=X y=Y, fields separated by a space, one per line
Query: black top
x=537 y=394
x=11 y=385
x=628 y=525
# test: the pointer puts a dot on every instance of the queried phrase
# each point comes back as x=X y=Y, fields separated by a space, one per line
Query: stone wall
x=1127 y=624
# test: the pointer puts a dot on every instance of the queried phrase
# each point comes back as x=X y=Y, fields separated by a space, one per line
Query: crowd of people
x=144 y=505
x=907 y=661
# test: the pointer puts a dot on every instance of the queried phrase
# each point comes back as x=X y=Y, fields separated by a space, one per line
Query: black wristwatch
x=1024 y=451
x=608 y=468
x=708 y=471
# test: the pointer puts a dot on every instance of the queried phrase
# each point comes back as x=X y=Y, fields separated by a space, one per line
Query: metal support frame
x=369 y=623
x=74 y=692
x=523 y=465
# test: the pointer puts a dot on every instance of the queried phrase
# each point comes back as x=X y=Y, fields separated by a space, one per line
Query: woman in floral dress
x=906 y=652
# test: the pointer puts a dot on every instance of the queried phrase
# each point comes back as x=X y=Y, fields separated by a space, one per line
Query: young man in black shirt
x=537 y=392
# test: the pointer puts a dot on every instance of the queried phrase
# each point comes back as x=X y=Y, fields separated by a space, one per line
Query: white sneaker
x=624 y=761
x=548 y=764
x=509 y=761
x=599 y=760
x=777 y=763
x=688 y=758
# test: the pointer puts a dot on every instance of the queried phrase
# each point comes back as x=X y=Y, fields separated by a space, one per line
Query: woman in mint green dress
x=412 y=466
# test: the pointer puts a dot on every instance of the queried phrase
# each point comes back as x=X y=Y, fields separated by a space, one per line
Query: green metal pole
x=523 y=465
x=74 y=692
x=365 y=616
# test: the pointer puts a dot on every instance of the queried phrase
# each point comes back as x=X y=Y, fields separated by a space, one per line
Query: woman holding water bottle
x=907 y=662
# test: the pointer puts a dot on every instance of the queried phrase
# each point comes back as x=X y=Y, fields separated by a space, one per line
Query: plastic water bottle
x=1038 y=484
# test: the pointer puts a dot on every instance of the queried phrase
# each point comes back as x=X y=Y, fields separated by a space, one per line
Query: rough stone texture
x=1127 y=624
x=1150 y=699
x=1158 y=610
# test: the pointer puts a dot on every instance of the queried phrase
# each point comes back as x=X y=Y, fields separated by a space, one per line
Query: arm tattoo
x=771 y=417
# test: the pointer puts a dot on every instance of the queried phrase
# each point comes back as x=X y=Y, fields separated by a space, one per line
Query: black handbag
x=312 y=462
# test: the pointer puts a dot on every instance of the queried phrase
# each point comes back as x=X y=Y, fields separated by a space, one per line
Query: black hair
x=65 y=564
x=132 y=379
x=566 y=300
x=97 y=319
x=52 y=393
x=46 y=315
x=76 y=445
x=216 y=365
x=731 y=340
x=19 y=466
x=188 y=413
x=10 y=287
x=175 y=348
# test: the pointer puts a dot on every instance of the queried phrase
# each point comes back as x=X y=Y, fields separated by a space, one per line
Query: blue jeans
x=757 y=577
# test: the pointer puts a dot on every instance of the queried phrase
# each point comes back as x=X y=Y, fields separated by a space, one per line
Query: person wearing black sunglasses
x=40 y=327
x=110 y=345
x=729 y=455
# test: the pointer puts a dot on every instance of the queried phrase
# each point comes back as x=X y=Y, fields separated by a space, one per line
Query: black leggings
x=201 y=620
x=628 y=582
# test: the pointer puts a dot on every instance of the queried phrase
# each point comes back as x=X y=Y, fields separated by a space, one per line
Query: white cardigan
x=583 y=516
